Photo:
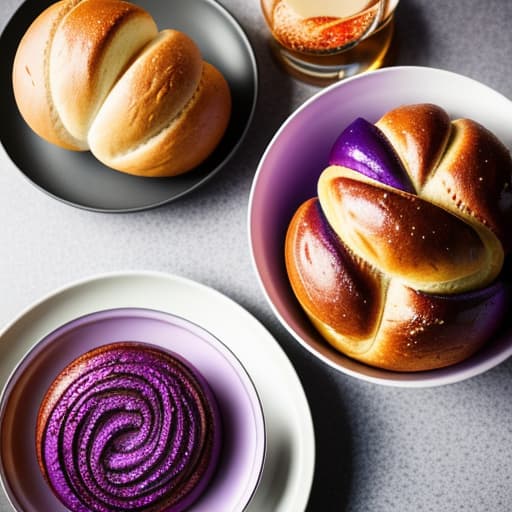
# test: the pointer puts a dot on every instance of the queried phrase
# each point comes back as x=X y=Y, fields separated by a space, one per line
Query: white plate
x=288 y=472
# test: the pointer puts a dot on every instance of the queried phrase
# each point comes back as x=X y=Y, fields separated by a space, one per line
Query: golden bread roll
x=98 y=75
x=400 y=260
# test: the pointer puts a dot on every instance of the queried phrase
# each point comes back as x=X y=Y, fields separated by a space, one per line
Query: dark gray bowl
x=78 y=178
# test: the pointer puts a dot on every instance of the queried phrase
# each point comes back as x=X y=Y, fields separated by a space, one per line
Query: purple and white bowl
x=242 y=456
x=288 y=173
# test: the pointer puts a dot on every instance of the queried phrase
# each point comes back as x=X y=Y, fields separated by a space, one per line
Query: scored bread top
x=184 y=142
x=140 y=104
x=98 y=75
x=94 y=44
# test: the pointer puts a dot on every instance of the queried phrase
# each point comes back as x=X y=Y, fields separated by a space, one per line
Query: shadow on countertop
x=333 y=477
x=411 y=44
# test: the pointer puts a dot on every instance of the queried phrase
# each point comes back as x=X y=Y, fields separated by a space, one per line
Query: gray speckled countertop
x=378 y=448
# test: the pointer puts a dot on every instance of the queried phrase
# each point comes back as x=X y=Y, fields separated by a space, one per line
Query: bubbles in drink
x=323 y=25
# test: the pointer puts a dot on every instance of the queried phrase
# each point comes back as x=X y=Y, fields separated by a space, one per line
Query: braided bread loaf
x=97 y=74
x=399 y=261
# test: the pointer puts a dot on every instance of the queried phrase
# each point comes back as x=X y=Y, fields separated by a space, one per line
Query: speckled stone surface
x=378 y=449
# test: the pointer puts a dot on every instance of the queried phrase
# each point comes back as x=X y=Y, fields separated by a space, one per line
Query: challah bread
x=399 y=261
x=98 y=75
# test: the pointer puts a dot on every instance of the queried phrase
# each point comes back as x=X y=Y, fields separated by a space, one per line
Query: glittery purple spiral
x=128 y=427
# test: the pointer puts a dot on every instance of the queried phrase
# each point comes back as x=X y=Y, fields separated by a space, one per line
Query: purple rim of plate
x=244 y=443
x=288 y=172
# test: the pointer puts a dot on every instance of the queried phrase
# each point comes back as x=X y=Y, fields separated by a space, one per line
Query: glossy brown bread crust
x=401 y=280
x=98 y=75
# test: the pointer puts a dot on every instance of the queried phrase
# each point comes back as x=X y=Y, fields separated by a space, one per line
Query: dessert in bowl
x=420 y=324
x=128 y=426
x=168 y=421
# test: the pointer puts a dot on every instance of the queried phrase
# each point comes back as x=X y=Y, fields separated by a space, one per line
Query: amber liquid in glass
x=323 y=48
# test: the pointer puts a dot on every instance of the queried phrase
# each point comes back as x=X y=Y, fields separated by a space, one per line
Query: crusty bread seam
x=169 y=125
x=442 y=155
x=66 y=8
x=457 y=205
x=436 y=164
x=461 y=210
x=385 y=283
x=102 y=51
x=418 y=188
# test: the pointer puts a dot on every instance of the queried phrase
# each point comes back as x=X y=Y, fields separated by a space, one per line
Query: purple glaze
x=363 y=147
x=484 y=309
x=131 y=428
x=498 y=292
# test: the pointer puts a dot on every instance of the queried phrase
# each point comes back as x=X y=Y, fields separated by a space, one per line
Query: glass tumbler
x=322 y=41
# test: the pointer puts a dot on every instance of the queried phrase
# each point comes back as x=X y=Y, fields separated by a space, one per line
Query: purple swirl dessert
x=128 y=427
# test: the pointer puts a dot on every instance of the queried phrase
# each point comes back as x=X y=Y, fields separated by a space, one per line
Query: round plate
x=288 y=173
x=290 y=451
x=243 y=449
x=77 y=178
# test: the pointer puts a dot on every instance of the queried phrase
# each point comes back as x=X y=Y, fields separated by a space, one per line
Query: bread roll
x=400 y=260
x=98 y=75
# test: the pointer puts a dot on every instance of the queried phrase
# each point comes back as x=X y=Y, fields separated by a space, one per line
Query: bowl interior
x=289 y=170
x=243 y=449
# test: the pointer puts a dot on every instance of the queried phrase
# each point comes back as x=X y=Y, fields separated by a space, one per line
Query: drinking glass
x=322 y=41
